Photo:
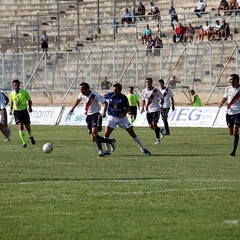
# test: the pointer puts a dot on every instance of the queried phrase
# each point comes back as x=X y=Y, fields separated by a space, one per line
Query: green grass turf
x=188 y=189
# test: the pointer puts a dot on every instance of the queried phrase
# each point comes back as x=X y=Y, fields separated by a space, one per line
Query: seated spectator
x=200 y=34
x=105 y=84
x=216 y=31
x=224 y=5
x=200 y=8
x=190 y=31
x=154 y=11
x=173 y=15
x=150 y=45
x=225 y=30
x=172 y=83
x=158 y=43
x=141 y=11
x=207 y=31
x=127 y=17
x=179 y=33
x=147 y=32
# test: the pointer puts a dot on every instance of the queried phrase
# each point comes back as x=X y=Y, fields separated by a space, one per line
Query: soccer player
x=133 y=101
x=3 y=117
x=150 y=101
x=167 y=100
x=196 y=100
x=118 y=108
x=232 y=97
x=20 y=105
x=91 y=100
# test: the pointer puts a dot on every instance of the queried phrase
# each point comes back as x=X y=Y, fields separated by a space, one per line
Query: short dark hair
x=149 y=79
x=132 y=88
x=161 y=80
x=16 y=81
x=118 y=85
x=235 y=76
x=85 y=85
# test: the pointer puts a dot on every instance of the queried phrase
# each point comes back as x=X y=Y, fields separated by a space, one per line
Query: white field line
x=161 y=191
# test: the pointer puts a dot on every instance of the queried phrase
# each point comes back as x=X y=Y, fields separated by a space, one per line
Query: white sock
x=139 y=143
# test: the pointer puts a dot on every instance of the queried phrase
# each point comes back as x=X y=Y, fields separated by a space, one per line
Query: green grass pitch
x=188 y=189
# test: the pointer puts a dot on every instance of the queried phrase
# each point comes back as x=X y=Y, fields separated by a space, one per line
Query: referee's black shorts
x=21 y=116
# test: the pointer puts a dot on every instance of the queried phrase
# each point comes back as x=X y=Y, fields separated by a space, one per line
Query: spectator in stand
x=127 y=17
x=200 y=8
x=179 y=33
x=217 y=31
x=172 y=83
x=158 y=44
x=225 y=30
x=224 y=5
x=173 y=15
x=190 y=31
x=150 y=45
x=105 y=84
x=200 y=34
x=147 y=32
x=154 y=10
x=141 y=11
x=207 y=31
x=44 y=40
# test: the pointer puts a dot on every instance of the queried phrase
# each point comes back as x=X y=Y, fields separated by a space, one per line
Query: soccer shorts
x=164 y=113
x=133 y=110
x=153 y=117
x=93 y=121
x=122 y=122
x=233 y=120
x=21 y=116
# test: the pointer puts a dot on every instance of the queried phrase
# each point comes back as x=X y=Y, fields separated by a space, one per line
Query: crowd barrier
x=181 y=117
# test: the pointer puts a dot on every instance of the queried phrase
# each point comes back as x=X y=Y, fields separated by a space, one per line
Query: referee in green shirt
x=133 y=101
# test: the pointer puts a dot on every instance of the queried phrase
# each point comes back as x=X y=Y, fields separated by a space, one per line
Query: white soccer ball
x=47 y=147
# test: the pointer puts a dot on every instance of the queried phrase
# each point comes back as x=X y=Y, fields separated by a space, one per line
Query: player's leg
x=164 y=114
x=26 y=121
x=235 y=134
x=110 y=126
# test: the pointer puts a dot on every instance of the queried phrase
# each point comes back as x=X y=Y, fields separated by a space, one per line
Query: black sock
x=98 y=142
x=105 y=140
x=235 y=142
x=157 y=132
x=166 y=126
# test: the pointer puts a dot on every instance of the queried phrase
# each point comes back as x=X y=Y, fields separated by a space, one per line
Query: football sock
x=98 y=142
x=235 y=142
x=30 y=134
x=157 y=132
x=105 y=140
x=108 y=146
x=166 y=126
x=139 y=143
x=23 y=136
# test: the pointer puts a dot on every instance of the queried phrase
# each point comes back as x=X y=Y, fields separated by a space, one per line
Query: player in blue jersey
x=118 y=108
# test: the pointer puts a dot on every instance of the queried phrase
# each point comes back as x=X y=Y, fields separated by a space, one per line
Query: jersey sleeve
x=100 y=98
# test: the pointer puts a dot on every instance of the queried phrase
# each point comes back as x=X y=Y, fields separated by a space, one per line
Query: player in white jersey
x=91 y=101
x=3 y=117
x=150 y=102
x=232 y=97
x=167 y=100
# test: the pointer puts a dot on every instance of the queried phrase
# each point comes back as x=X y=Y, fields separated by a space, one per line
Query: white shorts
x=112 y=122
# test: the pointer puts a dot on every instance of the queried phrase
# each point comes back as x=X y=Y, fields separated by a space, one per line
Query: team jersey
x=94 y=107
x=198 y=102
x=2 y=101
x=133 y=99
x=154 y=105
x=230 y=92
x=117 y=104
x=167 y=95
x=19 y=99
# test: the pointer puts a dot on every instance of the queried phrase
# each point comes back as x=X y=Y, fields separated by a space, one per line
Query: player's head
x=84 y=88
x=234 y=78
x=117 y=88
x=161 y=83
x=16 y=85
x=131 y=89
x=148 y=82
x=192 y=92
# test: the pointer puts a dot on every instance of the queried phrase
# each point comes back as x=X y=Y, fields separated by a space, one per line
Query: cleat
x=166 y=133
x=162 y=132
x=7 y=139
x=106 y=152
x=24 y=145
x=157 y=142
x=113 y=144
x=101 y=153
x=233 y=154
x=146 y=152
x=32 y=141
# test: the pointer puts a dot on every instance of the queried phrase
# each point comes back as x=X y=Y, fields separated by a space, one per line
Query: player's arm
x=173 y=106
x=6 y=99
x=30 y=105
x=222 y=102
x=4 y=116
x=11 y=107
x=143 y=105
x=75 y=105
x=105 y=105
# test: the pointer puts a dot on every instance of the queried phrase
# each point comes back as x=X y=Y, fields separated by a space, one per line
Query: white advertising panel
x=221 y=118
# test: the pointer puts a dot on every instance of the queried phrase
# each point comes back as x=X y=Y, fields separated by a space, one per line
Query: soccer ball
x=47 y=147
